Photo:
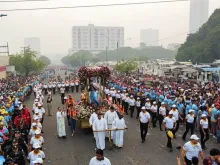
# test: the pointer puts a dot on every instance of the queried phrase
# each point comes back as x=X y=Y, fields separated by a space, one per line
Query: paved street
x=78 y=150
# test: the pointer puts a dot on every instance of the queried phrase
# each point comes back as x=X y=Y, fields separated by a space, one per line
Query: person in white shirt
x=37 y=139
x=100 y=126
x=191 y=149
x=77 y=85
x=45 y=89
x=99 y=159
x=106 y=92
x=110 y=116
x=204 y=130
x=33 y=129
x=36 y=153
x=148 y=105
x=144 y=118
x=41 y=111
x=138 y=107
x=118 y=97
x=123 y=98
x=92 y=119
x=162 y=114
x=154 y=113
x=126 y=103
x=35 y=91
x=62 y=93
x=131 y=105
x=72 y=85
x=176 y=115
x=169 y=123
x=38 y=161
x=189 y=123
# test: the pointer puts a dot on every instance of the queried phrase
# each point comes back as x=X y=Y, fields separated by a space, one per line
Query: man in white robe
x=92 y=119
x=110 y=116
x=118 y=136
x=61 y=114
x=100 y=125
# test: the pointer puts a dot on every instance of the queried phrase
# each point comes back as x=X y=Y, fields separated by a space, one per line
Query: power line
x=24 y=1
x=93 y=6
x=171 y=36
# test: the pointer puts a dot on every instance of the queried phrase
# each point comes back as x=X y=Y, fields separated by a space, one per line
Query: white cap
x=162 y=103
x=191 y=110
x=118 y=91
x=171 y=112
x=33 y=124
x=194 y=137
x=36 y=145
x=173 y=106
x=148 y=99
x=143 y=107
x=131 y=96
x=154 y=102
x=138 y=98
x=203 y=115
x=37 y=132
x=19 y=102
x=38 y=160
x=36 y=100
x=39 y=104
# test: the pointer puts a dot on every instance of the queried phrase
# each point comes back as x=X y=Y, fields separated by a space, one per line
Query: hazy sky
x=54 y=26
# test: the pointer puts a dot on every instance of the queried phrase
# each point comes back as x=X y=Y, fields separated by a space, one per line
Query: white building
x=96 y=38
x=149 y=36
x=33 y=43
x=199 y=14
x=173 y=46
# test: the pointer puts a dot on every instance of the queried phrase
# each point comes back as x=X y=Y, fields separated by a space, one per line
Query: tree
x=203 y=46
x=45 y=60
x=126 y=66
x=27 y=62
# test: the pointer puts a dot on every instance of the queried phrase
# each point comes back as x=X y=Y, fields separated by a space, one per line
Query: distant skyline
x=150 y=37
x=53 y=27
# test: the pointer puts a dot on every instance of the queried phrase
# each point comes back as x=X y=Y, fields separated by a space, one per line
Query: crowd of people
x=19 y=130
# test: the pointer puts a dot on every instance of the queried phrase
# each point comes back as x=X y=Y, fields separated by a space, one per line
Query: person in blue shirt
x=188 y=107
x=214 y=120
x=172 y=101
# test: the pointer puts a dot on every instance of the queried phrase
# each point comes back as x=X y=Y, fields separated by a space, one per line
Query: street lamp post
x=3 y=15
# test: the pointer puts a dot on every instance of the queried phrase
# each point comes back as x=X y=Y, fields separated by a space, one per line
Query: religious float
x=94 y=79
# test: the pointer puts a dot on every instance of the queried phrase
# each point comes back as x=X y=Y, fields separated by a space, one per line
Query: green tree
x=27 y=62
x=203 y=46
x=45 y=60
x=126 y=66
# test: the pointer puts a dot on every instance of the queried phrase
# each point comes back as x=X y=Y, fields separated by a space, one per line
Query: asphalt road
x=78 y=150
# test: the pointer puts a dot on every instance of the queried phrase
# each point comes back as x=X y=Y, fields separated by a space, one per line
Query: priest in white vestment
x=61 y=114
x=110 y=116
x=92 y=119
x=100 y=125
x=118 y=136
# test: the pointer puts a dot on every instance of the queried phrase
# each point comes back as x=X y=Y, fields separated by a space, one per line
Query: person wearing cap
x=154 y=113
x=118 y=97
x=126 y=103
x=33 y=129
x=214 y=158
x=148 y=105
x=36 y=139
x=138 y=107
x=204 y=130
x=123 y=96
x=100 y=126
x=62 y=94
x=189 y=123
x=38 y=124
x=41 y=112
x=110 y=116
x=118 y=135
x=145 y=119
x=169 y=123
x=176 y=115
x=61 y=114
x=38 y=115
x=162 y=114
x=191 y=149
x=131 y=105
x=54 y=87
x=99 y=159
x=45 y=89
x=36 y=153
x=49 y=105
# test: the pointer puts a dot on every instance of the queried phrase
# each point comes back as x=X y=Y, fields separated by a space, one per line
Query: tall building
x=33 y=43
x=199 y=14
x=96 y=38
x=150 y=37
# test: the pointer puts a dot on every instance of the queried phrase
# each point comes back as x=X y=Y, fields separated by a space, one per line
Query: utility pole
x=106 y=56
x=117 y=51
x=5 y=47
